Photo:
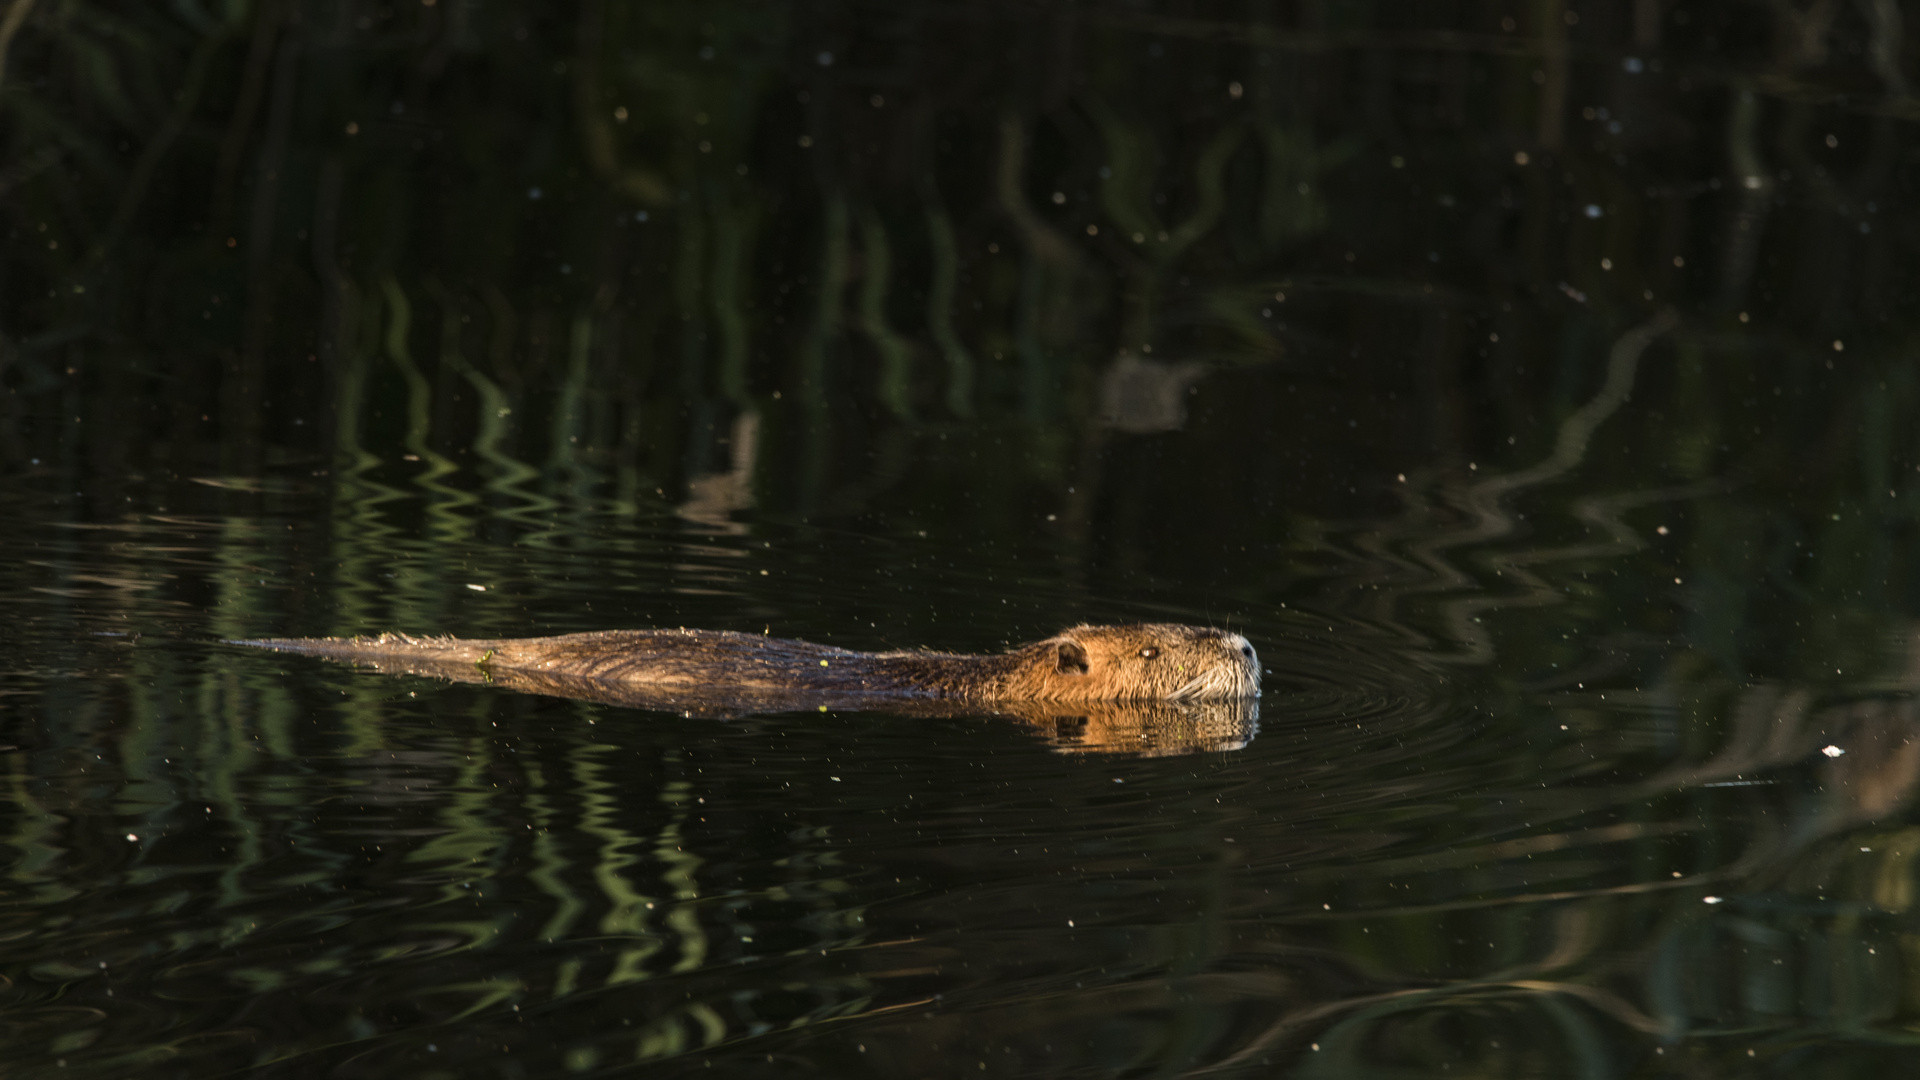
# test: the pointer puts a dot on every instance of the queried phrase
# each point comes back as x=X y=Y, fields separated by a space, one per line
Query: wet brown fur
x=1139 y=662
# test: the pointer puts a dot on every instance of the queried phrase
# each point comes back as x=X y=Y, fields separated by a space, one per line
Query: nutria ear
x=1072 y=659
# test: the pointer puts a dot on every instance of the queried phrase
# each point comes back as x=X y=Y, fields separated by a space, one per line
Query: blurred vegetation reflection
x=1530 y=381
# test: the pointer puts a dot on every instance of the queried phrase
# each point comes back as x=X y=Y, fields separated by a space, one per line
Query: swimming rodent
x=1141 y=662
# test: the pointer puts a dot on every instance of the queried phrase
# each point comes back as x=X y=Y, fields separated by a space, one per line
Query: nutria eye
x=1246 y=651
x=1149 y=653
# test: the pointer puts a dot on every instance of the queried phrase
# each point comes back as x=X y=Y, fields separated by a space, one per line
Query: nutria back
x=1138 y=662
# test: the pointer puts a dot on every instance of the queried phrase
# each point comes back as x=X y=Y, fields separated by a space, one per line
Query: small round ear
x=1071 y=659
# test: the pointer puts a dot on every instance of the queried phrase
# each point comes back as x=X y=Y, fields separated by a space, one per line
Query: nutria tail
x=382 y=646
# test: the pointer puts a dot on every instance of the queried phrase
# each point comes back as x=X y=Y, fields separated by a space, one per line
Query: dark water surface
x=1531 y=383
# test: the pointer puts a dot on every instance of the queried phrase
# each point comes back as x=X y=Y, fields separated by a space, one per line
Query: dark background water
x=1530 y=381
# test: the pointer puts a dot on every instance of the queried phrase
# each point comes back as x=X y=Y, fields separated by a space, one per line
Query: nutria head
x=1140 y=662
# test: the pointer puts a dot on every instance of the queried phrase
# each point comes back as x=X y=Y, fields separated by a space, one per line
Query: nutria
x=1136 y=663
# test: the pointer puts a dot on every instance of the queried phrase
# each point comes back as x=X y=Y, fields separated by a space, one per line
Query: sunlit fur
x=1141 y=662
x=1191 y=663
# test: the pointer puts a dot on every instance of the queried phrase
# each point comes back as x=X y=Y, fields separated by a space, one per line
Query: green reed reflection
x=548 y=872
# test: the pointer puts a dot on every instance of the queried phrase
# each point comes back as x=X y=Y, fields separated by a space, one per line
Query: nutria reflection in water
x=1153 y=688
